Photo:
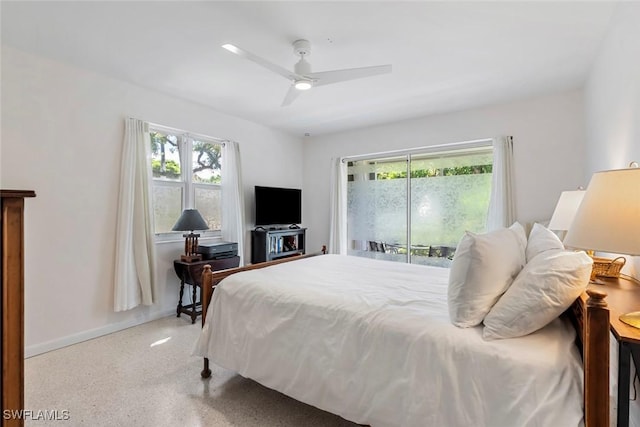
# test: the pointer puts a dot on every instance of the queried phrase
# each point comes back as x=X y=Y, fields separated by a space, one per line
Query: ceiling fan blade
x=260 y=61
x=328 y=77
x=291 y=95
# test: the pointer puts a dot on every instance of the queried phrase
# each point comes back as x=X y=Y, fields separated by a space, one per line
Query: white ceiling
x=446 y=56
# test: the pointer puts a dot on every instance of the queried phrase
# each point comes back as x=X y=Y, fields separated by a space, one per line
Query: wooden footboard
x=590 y=316
x=211 y=278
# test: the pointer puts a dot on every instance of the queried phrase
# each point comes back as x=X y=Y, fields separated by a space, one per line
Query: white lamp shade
x=566 y=209
x=608 y=219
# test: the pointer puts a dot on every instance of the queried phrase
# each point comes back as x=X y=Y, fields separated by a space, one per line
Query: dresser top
x=17 y=193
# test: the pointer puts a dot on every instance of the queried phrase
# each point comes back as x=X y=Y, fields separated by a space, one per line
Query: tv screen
x=278 y=206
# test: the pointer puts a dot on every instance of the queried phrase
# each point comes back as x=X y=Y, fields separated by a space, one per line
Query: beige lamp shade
x=566 y=209
x=608 y=219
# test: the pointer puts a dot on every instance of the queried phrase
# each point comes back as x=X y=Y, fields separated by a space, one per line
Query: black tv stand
x=267 y=245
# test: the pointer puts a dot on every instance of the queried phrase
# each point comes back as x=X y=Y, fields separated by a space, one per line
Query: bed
x=371 y=341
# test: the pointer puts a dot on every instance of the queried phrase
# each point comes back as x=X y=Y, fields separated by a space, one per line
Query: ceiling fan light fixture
x=303 y=84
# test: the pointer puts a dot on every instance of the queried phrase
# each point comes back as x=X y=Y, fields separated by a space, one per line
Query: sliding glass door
x=450 y=194
x=377 y=198
x=416 y=207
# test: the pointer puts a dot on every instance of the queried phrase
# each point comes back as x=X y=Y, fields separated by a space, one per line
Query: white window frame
x=186 y=184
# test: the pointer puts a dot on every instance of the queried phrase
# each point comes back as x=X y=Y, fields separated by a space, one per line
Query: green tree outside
x=206 y=158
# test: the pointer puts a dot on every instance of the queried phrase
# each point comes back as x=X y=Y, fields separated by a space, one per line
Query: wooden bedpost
x=596 y=360
x=206 y=289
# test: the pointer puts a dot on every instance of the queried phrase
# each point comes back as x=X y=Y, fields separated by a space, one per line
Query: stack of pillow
x=512 y=284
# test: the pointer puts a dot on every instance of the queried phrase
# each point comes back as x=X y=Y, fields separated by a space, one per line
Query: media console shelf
x=267 y=245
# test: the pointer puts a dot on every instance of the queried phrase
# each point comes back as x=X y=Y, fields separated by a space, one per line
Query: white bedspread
x=371 y=341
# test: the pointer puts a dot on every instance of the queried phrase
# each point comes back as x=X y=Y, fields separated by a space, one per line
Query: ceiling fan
x=302 y=78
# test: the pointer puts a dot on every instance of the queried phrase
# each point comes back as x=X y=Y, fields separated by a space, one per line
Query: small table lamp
x=565 y=211
x=190 y=220
x=608 y=218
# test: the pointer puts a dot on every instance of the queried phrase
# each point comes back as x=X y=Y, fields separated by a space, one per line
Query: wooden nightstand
x=623 y=296
x=191 y=274
x=12 y=301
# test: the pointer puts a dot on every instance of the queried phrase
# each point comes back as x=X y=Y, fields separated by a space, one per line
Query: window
x=416 y=207
x=186 y=174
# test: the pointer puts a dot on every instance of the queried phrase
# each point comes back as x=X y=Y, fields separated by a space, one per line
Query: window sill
x=178 y=238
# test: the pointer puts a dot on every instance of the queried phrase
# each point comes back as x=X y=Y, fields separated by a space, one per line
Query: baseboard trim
x=36 y=349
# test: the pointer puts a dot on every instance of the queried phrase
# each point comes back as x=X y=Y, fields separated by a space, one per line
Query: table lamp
x=608 y=218
x=565 y=211
x=190 y=220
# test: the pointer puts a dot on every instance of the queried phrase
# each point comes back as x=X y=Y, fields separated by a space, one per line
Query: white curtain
x=502 y=211
x=135 y=246
x=338 y=232
x=232 y=197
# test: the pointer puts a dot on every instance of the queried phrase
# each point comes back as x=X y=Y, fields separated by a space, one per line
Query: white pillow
x=483 y=267
x=545 y=288
x=542 y=239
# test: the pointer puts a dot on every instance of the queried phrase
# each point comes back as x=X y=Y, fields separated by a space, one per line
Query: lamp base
x=632 y=319
x=190 y=258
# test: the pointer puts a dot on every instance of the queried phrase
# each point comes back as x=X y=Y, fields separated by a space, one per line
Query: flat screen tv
x=278 y=206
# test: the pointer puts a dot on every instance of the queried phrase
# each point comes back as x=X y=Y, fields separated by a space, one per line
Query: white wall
x=62 y=131
x=548 y=148
x=612 y=95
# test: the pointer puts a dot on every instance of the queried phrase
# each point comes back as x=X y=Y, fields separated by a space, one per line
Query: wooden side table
x=623 y=296
x=191 y=274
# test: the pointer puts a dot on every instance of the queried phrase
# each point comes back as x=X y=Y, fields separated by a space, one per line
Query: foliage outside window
x=186 y=174
x=421 y=218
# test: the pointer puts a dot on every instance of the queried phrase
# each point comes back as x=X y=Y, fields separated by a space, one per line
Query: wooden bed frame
x=588 y=314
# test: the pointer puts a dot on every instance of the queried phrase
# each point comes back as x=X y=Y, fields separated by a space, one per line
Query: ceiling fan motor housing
x=302 y=47
x=302 y=67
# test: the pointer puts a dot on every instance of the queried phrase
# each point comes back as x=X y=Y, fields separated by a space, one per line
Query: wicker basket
x=605 y=267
